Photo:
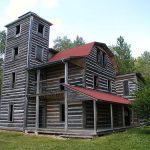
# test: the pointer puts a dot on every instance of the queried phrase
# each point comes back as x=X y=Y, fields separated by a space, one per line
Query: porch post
x=37 y=101
x=132 y=111
x=66 y=97
x=123 y=116
x=111 y=116
x=95 y=115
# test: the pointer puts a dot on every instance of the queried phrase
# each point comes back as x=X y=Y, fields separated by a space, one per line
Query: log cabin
x=72 y=92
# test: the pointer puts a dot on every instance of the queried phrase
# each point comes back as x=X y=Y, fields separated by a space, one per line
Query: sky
x=94 y=20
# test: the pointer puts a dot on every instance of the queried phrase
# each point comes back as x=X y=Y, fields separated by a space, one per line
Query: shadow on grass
x=140 y=130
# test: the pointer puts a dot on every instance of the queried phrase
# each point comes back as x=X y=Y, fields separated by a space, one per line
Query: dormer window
x=101 y=58
x=15 y=53
x=40 y=29
x=18 y=30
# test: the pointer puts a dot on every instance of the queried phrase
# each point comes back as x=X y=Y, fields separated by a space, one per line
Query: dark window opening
x=15 y=53
x=39 y=52
x=13 y=79
x=95 y=82
x=61 y=81
x=17 y=29
x=62 y=112
x=126 y=87
x=101 y=58
x=40 y=29
x=10 y=112
x=109 y=86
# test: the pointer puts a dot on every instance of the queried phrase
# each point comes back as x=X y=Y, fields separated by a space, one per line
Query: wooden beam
x=95 y=116
x=123 y=116
x=37 y=101
x=66 y=97
x=111 y=116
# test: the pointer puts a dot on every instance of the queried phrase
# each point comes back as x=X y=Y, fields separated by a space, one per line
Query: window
x=109 y=86
x=40 y=29
x=10 y=112
x=13 y=79
x=101 y=58
x=39 y=53
x=95 y=82
x=62 y=112
x=15 y=53
x=61 y=81
x=17 y=30
x=126 y=87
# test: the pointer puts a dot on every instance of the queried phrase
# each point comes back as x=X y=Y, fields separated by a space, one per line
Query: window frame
x=95 y=81
x=41 y=53
x=13 y=80
x=18 y=34
x=124 y=89
x=13 y=53
x=11 y=112
x=39 y=33
x=109 y=85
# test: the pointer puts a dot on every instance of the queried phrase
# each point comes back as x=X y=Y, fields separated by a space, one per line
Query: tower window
x=62 y=112
x=13 y=80
x=17 y=29
x=15 y=53
x=40 y=29
x=10 y=112
x=126 y=87
x=39 y=53
x=95 y=81
x=61 y=81
x=109 y=86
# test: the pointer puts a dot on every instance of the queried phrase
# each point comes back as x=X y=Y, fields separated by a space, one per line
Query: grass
x=132 y=139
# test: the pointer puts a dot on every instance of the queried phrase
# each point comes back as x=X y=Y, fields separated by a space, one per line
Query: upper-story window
x=15 y=53
x=39 y=53
x=109 y=85
x=13 y=79
x=40 y=29
x=95 y=82
x=101 y=58
x=126 y=87
x=18 y=29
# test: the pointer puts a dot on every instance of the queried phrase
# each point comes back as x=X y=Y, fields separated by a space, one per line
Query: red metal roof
x=100 y=95
x=79 y=51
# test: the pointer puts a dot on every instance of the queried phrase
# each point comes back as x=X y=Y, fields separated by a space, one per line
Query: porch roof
x=98 y=95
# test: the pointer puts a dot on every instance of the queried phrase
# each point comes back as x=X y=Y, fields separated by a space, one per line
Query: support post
x=37 y=101
x=111 y=116
x=66 y=97
x=123 y=116
x=95 y=116
x=132 y=116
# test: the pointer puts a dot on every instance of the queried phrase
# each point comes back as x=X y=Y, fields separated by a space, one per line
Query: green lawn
x=133 y=139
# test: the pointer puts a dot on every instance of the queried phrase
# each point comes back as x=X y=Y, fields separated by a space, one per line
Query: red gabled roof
x=100 y=95
x=79 y=51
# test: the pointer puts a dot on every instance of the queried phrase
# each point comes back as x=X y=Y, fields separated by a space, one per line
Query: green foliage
x=2 y=41
x=64 y=43
x=142 y=101
x=142 y=64
x=123 y=56
x=132 y=139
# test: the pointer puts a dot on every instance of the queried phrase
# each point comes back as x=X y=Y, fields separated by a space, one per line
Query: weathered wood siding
x=132 y=83
x=104 y=73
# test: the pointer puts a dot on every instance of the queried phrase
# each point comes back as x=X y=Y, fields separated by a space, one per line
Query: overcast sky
x=94 y=20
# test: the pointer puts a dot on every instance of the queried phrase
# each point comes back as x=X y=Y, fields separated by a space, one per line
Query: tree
x=141 y=103
x=2 y=51
x=63 y=43
x=123 y=56
x=2 y=42
x=142 y=64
